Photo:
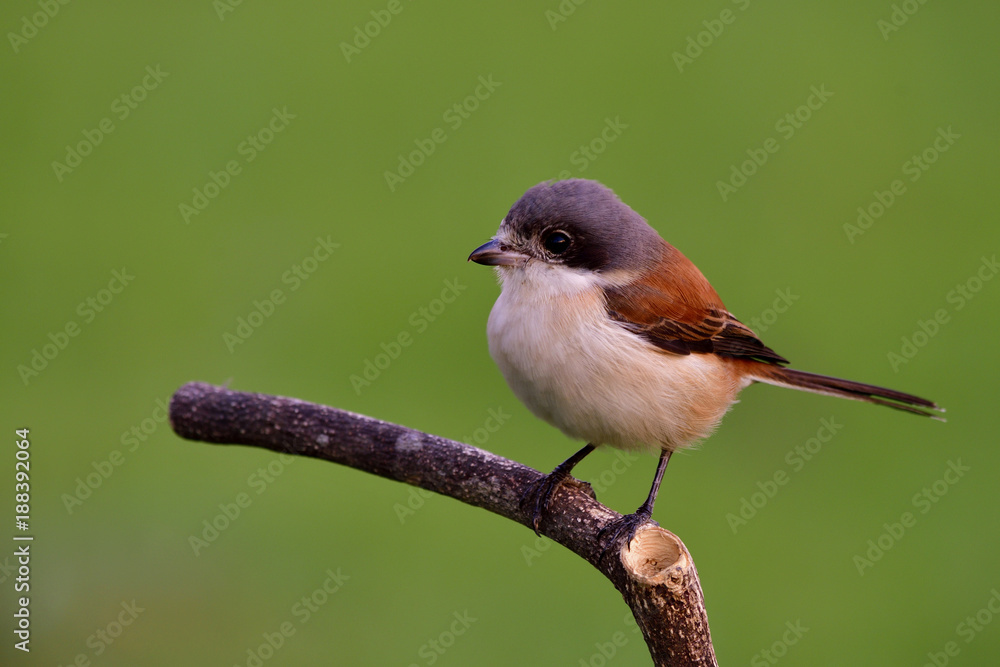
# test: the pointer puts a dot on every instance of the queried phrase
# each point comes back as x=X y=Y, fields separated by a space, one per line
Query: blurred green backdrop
x=167 y=167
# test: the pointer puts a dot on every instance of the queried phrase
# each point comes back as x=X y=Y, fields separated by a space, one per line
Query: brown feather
x=676 y=309
x=824 y=384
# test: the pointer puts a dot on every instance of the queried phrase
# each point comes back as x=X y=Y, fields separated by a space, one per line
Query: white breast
x=586 y=375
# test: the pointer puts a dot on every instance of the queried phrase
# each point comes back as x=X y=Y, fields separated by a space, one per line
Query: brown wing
x=677 y=310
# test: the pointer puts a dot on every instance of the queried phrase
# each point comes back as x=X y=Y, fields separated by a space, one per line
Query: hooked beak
x=496 y=254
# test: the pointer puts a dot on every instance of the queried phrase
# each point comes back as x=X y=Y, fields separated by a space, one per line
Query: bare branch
x=657 y=576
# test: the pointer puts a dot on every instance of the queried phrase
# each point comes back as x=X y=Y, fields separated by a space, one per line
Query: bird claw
x=538 y=496
x=620 y=533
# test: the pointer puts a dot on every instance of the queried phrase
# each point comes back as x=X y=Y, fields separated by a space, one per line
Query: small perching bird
x=610 y=334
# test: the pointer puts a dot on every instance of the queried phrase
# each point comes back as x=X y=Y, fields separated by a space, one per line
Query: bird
x=609 y=333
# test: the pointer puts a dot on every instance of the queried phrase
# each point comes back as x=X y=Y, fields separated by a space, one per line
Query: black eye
x=557 y=243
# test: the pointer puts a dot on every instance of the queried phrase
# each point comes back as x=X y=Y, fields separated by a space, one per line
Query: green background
x=323 y=176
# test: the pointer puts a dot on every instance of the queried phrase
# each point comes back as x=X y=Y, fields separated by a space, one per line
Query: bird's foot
x=620 y=533
x=538 y=495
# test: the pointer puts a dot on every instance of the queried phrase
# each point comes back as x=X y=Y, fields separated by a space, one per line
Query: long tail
x=823 y=384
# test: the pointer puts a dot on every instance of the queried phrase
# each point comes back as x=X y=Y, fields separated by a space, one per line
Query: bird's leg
x=538 y=495
x=628 y=524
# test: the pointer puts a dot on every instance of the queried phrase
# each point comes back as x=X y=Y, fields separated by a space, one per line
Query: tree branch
x=656 y=577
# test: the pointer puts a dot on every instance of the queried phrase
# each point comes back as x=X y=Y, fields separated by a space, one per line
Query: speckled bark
x=656 y=576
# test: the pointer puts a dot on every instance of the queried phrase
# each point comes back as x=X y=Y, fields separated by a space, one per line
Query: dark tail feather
x=822 y=384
